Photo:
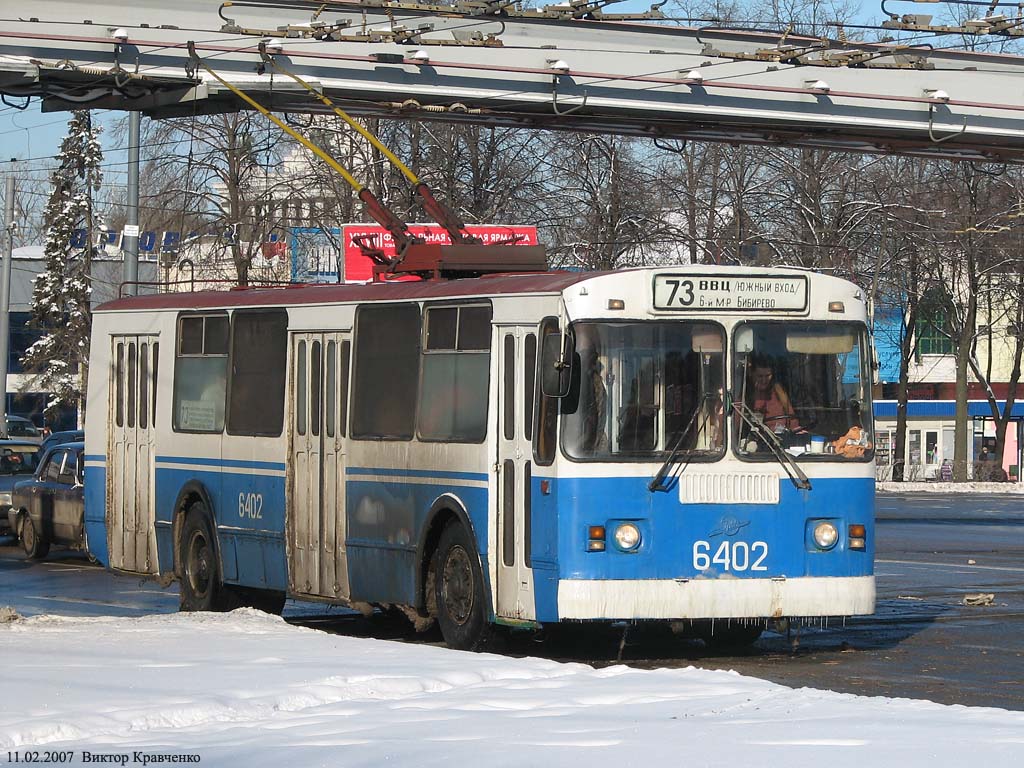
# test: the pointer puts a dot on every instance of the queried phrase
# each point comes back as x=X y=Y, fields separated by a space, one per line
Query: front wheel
x=32 y=541
x=35 y=544
x=459 y=591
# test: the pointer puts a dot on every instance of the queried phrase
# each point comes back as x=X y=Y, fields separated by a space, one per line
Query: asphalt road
x=923 y=642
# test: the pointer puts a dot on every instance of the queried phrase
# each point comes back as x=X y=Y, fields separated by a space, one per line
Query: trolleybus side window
x=156 y=371
x=330 y=388
x=386 y=376
x=346 y=352
x=132 y=383
x=200 y=373
x=642 y=390
x=259 y=349
x=509 y=397
x=545 y=434
x=529 y=371
x=119 y=385
x=456 y=365
x=144 y=386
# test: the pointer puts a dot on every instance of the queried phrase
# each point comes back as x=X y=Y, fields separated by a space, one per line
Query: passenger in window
x=769 y=398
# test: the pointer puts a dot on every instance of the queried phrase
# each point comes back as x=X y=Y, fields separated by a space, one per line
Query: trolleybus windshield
x=809 y=384
x=638 y=386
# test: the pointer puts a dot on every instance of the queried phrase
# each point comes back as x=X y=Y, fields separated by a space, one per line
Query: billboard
x=332 y=255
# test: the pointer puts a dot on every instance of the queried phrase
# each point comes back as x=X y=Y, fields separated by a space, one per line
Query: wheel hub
x=199 y=564
x=457 y=585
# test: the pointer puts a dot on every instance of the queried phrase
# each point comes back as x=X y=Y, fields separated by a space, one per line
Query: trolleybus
x=680 y=444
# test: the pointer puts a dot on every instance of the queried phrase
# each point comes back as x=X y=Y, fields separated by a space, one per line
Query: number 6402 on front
x=730 y=555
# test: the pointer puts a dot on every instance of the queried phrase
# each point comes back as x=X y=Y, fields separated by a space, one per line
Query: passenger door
x=43 y=495
x=131 y=532
x=316 y=529
x=517 y=364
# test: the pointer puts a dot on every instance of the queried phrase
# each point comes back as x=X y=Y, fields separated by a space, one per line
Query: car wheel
x=32 y=541
x=200 y=584
x=460 y=593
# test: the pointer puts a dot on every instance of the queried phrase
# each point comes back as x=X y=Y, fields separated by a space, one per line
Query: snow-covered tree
x=60 y=297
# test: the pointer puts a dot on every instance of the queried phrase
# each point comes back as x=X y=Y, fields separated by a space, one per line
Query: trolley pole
x=5 y=298
x=130 y=244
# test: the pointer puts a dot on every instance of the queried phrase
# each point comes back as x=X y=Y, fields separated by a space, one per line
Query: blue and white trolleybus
x=686 y=443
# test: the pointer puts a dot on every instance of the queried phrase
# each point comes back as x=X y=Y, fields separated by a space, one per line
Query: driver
x=771 y=400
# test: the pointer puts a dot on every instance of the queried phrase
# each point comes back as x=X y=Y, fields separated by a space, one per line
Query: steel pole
x=130 y=242
x=5 y=298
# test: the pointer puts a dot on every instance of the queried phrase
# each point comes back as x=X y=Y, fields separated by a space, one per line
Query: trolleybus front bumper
x=716 y=598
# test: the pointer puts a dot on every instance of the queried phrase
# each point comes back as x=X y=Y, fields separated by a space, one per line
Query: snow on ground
x=937 y=487
x=248 y=689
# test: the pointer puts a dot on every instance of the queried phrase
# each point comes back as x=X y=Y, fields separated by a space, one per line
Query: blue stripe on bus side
x=95 y=457
x=228 y=463
x=252 y=550
x=427 y=473
x=385 y=519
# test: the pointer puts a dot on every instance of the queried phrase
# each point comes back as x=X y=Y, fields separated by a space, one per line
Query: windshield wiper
x=797 y=475
x=658 y=483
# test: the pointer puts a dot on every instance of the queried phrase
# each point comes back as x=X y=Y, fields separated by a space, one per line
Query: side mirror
x=556 y=365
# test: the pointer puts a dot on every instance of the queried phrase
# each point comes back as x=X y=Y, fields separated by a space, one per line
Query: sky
x=249 y=689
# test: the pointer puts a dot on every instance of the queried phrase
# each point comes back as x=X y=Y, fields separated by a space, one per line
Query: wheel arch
x=446 y=508
x=191 y=492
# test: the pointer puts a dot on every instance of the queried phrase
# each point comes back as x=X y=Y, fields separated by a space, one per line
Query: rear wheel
x=459 y=591
x=201 y=589
x=32 y=541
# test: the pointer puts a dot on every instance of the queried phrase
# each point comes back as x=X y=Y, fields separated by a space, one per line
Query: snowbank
x=248 y=689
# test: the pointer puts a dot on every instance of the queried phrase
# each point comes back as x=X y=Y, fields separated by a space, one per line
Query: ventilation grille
x=729 y=488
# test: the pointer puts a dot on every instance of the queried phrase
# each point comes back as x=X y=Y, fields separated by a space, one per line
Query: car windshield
x=806 y=385
x=18 y=459
x=639 y=389
x=21 y=429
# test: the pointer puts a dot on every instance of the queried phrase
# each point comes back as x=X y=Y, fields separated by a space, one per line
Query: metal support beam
x=130 y=243
x=470 y=63
x=5 y=297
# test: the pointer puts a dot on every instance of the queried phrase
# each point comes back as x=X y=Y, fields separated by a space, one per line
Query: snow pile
x=247 y=689
x=938 y=487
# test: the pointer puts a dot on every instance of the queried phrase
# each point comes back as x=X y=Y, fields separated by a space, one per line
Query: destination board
x=730 y=293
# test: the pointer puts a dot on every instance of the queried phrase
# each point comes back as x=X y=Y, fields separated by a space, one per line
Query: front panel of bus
x=714 y=451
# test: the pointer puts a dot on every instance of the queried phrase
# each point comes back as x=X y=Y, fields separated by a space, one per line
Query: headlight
x=825 y=535
x=627 y=536
x=6 y=499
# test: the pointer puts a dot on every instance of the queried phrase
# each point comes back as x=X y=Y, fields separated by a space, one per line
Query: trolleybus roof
x=312 y=293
